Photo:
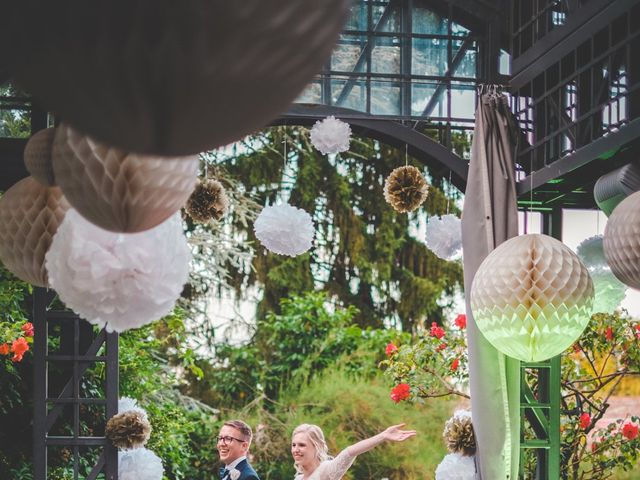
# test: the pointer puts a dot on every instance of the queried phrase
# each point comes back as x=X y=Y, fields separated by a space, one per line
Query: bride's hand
x=396 y=434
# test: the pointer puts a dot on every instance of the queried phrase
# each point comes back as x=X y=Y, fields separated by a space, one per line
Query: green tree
x=364 y=254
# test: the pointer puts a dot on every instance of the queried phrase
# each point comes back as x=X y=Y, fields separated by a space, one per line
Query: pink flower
x=585 y=420
x=454 y=365
x=440 y=347
x=461 y=321
x=436 y=331
x=27 y=328
x=400 y=392
x=391 y=349
x=629 y=430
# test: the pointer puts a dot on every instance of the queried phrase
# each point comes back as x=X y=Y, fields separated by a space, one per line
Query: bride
x=311 y=456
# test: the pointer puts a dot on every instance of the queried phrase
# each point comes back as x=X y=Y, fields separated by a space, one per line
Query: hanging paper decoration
x=622 y=241
x=196 y=75
x=118 y=281
x=139 y=464
x=119 y=191
x=128 y=430
x=459 y=435
x=609 y=291
x=208 y=201
x=37 y=156
x=405 y=189
x=455 y=466
x=284 y=229
x=591 y=252
x=126 y=403
x=532 y=297
x=30 y=214
x=331 y=135
x=444 y=236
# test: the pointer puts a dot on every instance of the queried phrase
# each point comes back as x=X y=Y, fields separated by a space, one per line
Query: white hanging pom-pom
x=591 y=252
x=115 y=280
x=609 y=291
x=331 y=135
x=456 y=467
x=139 y=464
x=444 y=236
x=284 y=229
x=126 y=404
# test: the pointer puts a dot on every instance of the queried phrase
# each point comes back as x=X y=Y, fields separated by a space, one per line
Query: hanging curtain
x=490 y=216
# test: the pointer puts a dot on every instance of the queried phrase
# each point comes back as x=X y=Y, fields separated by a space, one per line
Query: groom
x=233 y=445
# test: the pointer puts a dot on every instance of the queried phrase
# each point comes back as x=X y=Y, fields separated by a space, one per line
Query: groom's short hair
x=242 y=427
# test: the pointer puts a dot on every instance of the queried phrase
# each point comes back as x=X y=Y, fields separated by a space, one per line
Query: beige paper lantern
x=37 y=156
x=119 y=191
x=622 y=241
x=169 y=77
x=532 y=297
x=30 y=214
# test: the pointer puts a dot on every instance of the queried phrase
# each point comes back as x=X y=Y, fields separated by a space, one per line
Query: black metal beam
x=439 y=160
x=580 y=27
x=580 y=157
x=13 y=169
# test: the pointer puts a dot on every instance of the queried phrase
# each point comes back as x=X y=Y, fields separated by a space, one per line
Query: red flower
x=4 y=349
x=27 y=328
x=594 y=446
x=436 y=331
x=400 y=392
x=630 y=430
x=576 y=348
x=637 y=327
x=442 y=346
x=585 y=421
x=18 y=348
x=454 y=365
x=391 y=349
x=609 y=334
x=461 y=321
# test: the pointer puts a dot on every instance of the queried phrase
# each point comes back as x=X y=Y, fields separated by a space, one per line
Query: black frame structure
x=61 y=402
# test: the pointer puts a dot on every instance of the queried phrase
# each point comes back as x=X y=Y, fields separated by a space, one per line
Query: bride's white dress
x=333 y=469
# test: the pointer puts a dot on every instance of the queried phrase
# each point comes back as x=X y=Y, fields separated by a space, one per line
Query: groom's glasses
x=227 y=440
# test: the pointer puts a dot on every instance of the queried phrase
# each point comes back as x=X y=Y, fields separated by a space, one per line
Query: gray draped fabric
x=490 y=217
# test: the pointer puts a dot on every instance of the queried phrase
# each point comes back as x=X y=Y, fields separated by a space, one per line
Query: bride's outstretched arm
x=393 y=433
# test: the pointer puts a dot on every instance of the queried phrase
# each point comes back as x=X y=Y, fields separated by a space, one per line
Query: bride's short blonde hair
x=316 y=437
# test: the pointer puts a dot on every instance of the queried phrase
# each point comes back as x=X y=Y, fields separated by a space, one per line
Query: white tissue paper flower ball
x=609 y=291
x=456 y=467
x=444 y=236
x=116 y=280
x=126 y=404
x=139 y=464
x=331 y=135
x=284 y=229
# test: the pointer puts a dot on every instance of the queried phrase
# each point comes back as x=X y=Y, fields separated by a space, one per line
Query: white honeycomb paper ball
x=532 y=297
x=622 y=241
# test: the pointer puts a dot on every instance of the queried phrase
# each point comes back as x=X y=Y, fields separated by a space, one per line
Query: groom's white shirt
x=233 y=464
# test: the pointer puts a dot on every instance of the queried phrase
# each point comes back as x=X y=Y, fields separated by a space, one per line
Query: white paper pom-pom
x=126 y=404
x=139 y=464
x=284 y=229
x=331 y=135
x=115 y=280
x=456 y=467
x=444 y=236
x=591 y=252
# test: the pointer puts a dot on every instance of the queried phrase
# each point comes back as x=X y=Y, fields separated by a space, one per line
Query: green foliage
x=15 y=120
x=364 y=254
x=348 y=409
x=289 y=348
x=606 y=353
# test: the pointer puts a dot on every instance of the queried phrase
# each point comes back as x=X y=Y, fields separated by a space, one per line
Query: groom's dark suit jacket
x=246 y=472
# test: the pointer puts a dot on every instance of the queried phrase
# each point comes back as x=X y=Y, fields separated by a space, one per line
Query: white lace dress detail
x=333 y=469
